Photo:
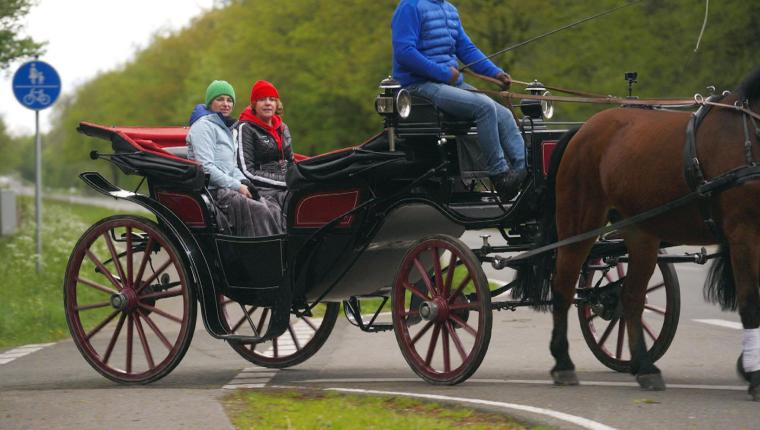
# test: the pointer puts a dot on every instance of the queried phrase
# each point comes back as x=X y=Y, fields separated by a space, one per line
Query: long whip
x=607 y=12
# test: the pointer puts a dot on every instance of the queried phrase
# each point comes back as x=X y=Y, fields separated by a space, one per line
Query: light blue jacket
x=210 y=142
x=428 y=38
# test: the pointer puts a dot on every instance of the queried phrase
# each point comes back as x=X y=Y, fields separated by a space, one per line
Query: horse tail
x=533 y=279
x=720 y=286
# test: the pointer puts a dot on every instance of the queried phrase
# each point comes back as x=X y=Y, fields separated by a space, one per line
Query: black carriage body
x=351 y=213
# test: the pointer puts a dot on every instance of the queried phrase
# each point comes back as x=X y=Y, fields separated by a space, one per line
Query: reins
x=700 y=191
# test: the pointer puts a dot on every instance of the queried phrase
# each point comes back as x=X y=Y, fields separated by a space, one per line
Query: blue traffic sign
x=36 y=85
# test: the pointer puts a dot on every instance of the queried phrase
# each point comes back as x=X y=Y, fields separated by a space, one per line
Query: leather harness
x=693 y=173
x=693 y=170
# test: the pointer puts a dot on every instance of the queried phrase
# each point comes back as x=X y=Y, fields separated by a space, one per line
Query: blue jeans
x=500 y=139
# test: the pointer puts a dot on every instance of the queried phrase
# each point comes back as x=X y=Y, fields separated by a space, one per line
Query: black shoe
x=508 y=184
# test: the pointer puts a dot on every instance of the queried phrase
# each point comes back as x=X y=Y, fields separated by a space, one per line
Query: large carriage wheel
x=304 y=337
x=604 y=328
x=128 y=300
x=441 y=309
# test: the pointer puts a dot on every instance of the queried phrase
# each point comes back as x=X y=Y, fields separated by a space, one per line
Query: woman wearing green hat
x=210 y=142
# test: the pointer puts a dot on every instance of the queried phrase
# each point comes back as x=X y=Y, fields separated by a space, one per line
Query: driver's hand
x=454 y=75
x=244 y=191
x=506 y=80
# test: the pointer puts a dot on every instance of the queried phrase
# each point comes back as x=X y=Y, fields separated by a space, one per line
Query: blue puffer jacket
x=210 y=142
x=428 y=38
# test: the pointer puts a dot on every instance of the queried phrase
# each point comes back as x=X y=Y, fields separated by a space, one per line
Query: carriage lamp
x=393 y=101
x=537 y=108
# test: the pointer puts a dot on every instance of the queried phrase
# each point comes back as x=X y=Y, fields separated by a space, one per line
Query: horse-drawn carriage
x=366 y=225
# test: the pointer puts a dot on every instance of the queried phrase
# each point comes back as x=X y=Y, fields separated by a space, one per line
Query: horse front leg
x=745 y=262
x=642 y=255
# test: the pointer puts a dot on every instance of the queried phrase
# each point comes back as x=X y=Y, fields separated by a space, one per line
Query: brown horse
x=628 y=161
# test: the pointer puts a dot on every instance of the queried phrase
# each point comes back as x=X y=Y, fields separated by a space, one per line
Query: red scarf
x=272 y=130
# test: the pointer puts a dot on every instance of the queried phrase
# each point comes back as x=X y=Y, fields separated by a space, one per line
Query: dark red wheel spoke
x=607 y=331
x=591 y=317
x=620 y=271
x=621 y=336
x=655 y=309
x=294 y=337
x=415 y=291
x=130 y=340
x=144 y=342
x=422 y=332
x=450 y=275
x=143 y=262
x=437 y=271
x=163 y=294
x=461 y=287
x=153 y=277
x=464 y=325
x=115 y=258
x=129 y=255
x=275 y=348
x=93 y=306
x=160 y=312
x=114 y=338
x=243 y=319
x=457 y=341
x=97 y=286
x=102 y=324
x=431 y=346
x=649 y=330
x=263 y=318
x=156 y=330
x=445 y=343
x=103 y=270
x=308 y=322
x=425 y=277
x=655 y=287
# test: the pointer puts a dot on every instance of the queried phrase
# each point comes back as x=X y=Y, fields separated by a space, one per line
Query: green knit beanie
x=219 y=88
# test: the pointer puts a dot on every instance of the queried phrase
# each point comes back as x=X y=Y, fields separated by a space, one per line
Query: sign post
x=36 y=86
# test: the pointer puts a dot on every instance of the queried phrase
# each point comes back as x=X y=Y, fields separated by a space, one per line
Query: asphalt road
x=54 y=387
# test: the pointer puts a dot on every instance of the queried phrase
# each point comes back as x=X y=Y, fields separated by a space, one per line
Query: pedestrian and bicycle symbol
x=36 y=85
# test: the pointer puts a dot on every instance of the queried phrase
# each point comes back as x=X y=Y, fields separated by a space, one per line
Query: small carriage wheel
x=303 y=338
x=445 y=335
x=128 y=299
x=606 y=335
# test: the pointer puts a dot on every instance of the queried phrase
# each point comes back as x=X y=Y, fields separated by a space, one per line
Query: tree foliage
x=12 y=45
x=327 y=58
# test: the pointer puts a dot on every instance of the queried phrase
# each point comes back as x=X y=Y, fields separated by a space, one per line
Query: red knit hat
x=263 y=89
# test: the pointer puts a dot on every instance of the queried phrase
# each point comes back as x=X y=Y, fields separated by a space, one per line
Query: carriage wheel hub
x=126 y=299
x=434 y=310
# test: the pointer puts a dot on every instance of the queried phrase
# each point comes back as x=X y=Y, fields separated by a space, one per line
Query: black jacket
x=259 y=157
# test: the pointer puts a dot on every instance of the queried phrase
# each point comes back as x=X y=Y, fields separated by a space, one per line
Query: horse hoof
x=564 y=377
x=651 y=382
x=740 y=368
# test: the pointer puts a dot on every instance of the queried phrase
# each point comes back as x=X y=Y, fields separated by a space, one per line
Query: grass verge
x=312 y=409
x=31 y=303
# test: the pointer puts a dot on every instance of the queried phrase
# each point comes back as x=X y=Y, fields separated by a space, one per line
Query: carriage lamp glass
x=403 y=103
x=547 y=107
x=384 y=105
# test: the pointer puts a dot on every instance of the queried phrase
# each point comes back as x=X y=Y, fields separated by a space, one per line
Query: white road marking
x=520 y=381
x=721 y=323
x=579 y=421
x=12 y=354
x=259 y=377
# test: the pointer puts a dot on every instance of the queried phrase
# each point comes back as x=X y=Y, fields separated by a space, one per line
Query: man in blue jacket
x=428 y=42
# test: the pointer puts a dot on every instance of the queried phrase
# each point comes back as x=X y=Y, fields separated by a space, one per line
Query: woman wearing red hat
x=211 y=143
x=263 y=139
